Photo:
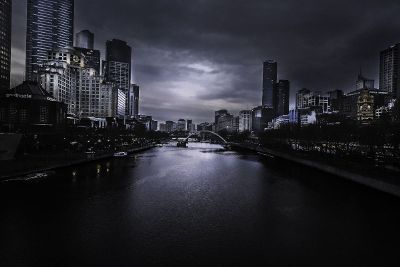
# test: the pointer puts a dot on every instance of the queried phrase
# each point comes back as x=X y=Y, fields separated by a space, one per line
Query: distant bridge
x=205 y=131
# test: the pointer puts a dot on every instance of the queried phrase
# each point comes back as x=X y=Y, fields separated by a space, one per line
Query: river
x=197 y=206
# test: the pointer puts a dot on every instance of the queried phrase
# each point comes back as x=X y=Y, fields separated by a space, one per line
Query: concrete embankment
x=71 y=163
x=376 y=183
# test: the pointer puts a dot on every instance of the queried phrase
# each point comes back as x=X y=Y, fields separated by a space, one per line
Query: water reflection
x=200 y=205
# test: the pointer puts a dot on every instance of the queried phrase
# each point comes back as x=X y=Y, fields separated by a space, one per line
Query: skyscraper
x=118 y=67
x=270 y=77
x=5 y=44
x=282 y=98
x=84 y=39
x=134 y=101
x=50 y=25
x=389 y=76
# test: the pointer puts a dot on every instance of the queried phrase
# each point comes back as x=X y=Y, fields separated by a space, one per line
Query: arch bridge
x=186 y=140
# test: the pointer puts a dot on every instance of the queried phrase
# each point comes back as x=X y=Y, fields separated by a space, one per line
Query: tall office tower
x=389 y=76
x=84 y=39
x=134 y=101
x=118 y=67
x=50 y=26
x=270 y=77
x=5 y=45
x=282 y=98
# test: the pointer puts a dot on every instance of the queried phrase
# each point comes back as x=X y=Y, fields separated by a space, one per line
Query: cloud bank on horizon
x=193 y=57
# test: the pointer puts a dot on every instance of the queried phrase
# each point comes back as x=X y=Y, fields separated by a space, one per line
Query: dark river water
x=199 y=206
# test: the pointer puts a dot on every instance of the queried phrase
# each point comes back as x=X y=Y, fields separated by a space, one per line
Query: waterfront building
x=84 y=39
x=68 y=79
x=282 y=98
x=270 y=77
x=30 y=107
x=118 y=68
x=245 y=121
x=5 y=44
x=50 y=26
x=389 y=74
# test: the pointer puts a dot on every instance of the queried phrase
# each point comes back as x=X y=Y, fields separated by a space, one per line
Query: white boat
x=120 y=154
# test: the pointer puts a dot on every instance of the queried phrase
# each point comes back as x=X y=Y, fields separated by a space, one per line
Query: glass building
x=270 y=77
x=84 y=39
x=389 y=74
x=118 y=67
x=50 y=25
x=5 y=45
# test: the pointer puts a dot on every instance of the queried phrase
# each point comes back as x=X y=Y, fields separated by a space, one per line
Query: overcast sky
x=193 y=57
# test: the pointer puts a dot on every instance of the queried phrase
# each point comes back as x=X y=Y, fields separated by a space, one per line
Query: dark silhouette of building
x=389 y=76
x=282 y=98
x=50 y=26
x=134 y=100
x=270 y=77
x=84 y=39
x=5 y=44
x=364 y=83
x=30 y=107
x=260 y=117
x=118 y=67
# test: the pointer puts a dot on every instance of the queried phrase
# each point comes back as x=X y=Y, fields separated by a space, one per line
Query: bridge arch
x=205 y=131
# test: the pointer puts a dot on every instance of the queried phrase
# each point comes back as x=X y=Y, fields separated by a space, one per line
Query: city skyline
x=186 y=70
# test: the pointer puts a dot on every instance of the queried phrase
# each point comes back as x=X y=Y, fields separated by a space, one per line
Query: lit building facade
x=5 y=45
x=50 y=26
x=389 y=73
x=245 y=121
x=118 y=67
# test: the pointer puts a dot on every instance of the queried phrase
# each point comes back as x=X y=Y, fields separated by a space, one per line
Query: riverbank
x=31 y=165
x=388 y=182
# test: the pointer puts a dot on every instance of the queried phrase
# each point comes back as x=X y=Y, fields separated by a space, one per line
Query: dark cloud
x=193 y=57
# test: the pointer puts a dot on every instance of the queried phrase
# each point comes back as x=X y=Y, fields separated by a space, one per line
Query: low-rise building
x=30 y=107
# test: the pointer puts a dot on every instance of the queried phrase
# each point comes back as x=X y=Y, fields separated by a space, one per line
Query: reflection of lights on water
x=98 y=169
x=108 y=170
